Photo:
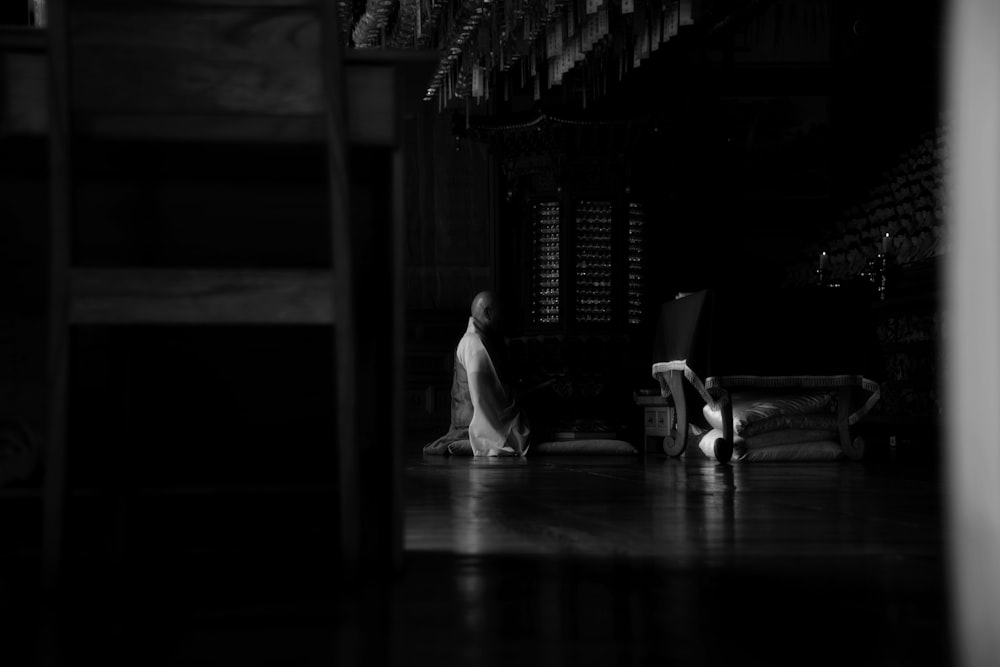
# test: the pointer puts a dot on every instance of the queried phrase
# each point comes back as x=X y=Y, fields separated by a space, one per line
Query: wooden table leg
x=675 y=443
x=724 y=445
x=853 y=448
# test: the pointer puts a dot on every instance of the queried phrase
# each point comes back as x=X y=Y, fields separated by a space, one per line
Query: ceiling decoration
x=496 y=47
x=370 y=27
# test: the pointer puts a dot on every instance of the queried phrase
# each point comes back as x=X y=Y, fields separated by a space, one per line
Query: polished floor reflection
x=558 y=561
x=618 y=561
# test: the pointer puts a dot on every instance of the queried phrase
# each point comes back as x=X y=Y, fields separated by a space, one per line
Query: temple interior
x=238 y=246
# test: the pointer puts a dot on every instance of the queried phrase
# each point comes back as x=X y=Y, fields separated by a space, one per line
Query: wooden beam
x=371 y=103
x=196 y=60
x=137 y=74
x=196 y=296
x=193 y=69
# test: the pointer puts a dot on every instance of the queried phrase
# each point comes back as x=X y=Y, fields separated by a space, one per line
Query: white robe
x=498 y=427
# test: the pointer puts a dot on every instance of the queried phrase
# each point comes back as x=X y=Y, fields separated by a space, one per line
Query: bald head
x=486 y=311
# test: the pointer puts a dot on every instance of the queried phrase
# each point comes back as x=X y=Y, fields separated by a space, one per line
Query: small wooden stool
x=658 y=417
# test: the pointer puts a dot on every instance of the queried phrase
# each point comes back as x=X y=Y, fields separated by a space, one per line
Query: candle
x=822 y=260
x=885 y=243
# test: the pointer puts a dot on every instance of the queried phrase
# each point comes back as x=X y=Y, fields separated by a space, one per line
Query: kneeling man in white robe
x=485 y=416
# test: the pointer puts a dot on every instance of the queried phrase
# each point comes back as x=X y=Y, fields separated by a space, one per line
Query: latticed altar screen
x=636 y=228
x=546 y=278
x=593 y=259
x=587 y=267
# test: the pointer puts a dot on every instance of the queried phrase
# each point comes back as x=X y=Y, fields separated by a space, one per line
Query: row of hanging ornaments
x=482 y=40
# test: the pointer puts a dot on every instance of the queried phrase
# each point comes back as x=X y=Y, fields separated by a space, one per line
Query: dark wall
x=450 y=215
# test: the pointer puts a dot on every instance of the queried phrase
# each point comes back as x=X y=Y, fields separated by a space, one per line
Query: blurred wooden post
x=972 y=356
x=58 y=306
x=397 y=378
x=334 y=81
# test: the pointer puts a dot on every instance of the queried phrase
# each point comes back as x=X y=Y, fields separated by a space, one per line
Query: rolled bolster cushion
x=817 y=421
x=756 y=407
x=714 y=419
x=823 y=450
x=707 y=442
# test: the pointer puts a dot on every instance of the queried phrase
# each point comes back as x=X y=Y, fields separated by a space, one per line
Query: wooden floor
x=620 y=561
x=575 y=561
